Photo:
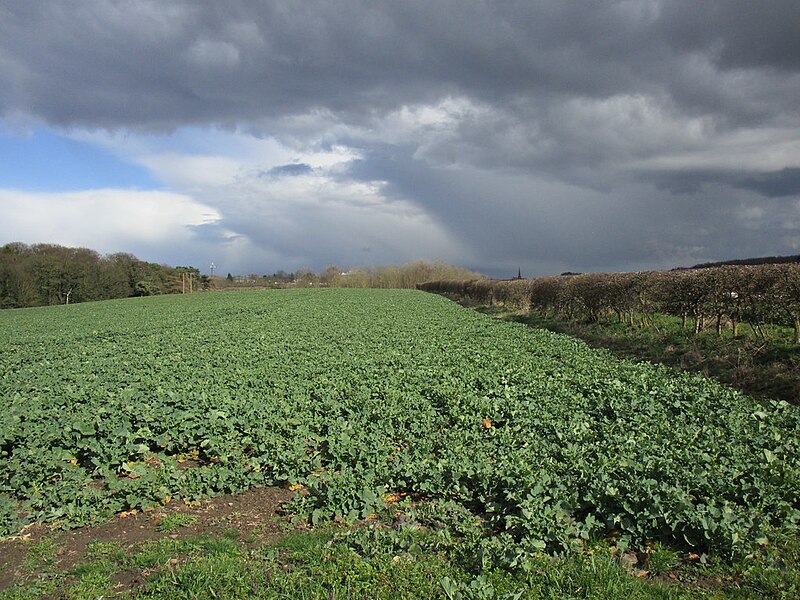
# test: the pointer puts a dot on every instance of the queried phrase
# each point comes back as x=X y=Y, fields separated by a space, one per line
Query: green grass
x=662 y=559
x=91 y=581
x=40 y=554
x=380 y=561
x=175 y=521
x=105 y=550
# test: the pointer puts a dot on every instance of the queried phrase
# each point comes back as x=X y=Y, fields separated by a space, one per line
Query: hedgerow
x=732 y=294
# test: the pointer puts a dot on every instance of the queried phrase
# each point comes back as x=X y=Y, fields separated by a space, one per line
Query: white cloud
x=256 y=220
x=192 y=172
x=212 y=156
x=762 y=149
x=106 y=220
x=315 y=218
x=631 y=124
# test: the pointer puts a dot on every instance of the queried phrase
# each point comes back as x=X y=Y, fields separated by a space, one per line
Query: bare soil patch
x=257 y=513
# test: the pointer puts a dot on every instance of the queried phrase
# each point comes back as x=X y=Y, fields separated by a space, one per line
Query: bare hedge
x=712 y=297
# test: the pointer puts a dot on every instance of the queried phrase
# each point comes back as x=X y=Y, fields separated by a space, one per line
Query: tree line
x=763 y=260
x=48 y=274
x=408 y=276
x=719 y=297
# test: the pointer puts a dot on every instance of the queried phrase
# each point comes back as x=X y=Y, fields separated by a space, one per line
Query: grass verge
x=381 y=561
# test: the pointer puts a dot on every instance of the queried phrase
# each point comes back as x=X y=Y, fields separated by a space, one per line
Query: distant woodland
x=407 y=276
x=47 y=274
x=764 y=260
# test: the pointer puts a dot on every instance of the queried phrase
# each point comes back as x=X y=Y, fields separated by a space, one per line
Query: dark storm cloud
x=771 y=184
x=776 y=184
x=550 y=227
x=603 y=134
x=737 y=33
x=291 y=170
x=543 y=227
x=152 y=64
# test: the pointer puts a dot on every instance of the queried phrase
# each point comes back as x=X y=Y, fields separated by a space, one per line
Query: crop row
x=361 y=396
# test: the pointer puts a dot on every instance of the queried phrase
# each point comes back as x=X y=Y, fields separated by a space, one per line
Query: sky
x=545 y=136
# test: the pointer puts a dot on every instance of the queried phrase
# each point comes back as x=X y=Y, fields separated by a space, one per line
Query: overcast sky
x=546 y=136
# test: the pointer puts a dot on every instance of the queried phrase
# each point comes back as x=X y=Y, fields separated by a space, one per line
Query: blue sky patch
x=44 y=161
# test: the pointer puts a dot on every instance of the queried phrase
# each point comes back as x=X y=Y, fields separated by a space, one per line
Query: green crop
x=521 y=440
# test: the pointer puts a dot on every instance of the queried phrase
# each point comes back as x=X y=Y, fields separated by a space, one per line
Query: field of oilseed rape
x=524 y=440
